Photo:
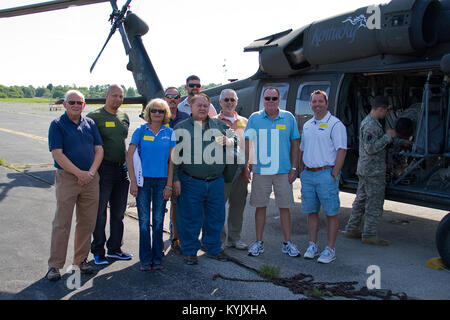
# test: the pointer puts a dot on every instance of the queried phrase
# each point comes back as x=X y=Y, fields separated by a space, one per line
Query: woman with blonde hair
x=154 y=142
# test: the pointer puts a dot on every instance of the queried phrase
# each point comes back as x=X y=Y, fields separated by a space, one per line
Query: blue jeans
x=151 y=192
x=200 y=207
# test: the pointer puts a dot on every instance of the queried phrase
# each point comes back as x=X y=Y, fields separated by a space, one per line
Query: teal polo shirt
x=272 y=141
x=154 y=150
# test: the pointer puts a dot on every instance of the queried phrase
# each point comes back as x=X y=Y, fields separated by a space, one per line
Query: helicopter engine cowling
x=405 y=27
x=400 y=27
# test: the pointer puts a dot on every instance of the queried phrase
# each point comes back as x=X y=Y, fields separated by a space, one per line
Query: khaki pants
x=236 y=195
x=69 y=193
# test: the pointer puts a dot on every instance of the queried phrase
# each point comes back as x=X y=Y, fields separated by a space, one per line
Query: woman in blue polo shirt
x=154 y=142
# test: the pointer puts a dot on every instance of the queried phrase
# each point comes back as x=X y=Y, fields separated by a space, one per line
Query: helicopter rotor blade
x=44 y=6
x=116 y=19
x=125 y=41
x=119 y=23
x=113 y=30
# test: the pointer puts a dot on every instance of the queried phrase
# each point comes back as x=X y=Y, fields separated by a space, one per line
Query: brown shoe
x=221 y=256
x=353 y=234
x=53 y=274
x=85 y=268
x=375 y=241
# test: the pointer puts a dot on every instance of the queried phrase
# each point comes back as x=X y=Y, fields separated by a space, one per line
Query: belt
x=207 y=179
x=318 y=169
x=112 y=163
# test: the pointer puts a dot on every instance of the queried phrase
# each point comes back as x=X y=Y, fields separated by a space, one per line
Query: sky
x=185 y=37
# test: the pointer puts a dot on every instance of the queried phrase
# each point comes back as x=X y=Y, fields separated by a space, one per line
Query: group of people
x=200 y=160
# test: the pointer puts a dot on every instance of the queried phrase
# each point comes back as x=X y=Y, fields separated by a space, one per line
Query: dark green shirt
x=195 y=152
x=114 y=130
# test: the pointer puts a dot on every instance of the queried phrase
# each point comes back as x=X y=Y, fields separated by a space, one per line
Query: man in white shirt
x=322 y=153
x=193 y=87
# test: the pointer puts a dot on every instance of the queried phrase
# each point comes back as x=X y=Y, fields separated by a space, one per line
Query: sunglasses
x=172 y=96
x=229 y=99
x=271 y=98
x=80 y=103
x=157 y=110
x=194 y=85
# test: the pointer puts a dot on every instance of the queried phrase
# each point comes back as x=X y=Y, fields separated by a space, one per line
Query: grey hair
x=227 y=91
x=68 y=93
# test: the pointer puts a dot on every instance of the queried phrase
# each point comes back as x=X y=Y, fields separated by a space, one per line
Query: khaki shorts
x=262 y=188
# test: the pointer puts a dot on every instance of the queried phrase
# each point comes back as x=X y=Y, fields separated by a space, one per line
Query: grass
x=47 y=101
x=269 y=272
x=27 y=100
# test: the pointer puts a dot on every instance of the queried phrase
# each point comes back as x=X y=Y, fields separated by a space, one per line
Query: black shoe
x=191 y=260
x=99 y=260
x=119 y=255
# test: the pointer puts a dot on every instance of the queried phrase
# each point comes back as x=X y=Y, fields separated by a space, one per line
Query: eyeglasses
x=172 y=96
x=157 y=110
x=80 y=103
x=271 y=98
x=229 y=99
x=194 y=85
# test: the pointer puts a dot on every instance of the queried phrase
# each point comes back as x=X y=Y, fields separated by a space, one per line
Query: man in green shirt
x=113 y=126
x=199 y=163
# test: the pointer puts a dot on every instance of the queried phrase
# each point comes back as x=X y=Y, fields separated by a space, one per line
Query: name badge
x=323 y=125
x=149 y=138
x=281 y=126
x=110 y=124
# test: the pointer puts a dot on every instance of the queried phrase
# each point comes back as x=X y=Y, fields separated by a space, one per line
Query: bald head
x=114 y=98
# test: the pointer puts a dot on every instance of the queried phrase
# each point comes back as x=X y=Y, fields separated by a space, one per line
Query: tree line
x=56 y=92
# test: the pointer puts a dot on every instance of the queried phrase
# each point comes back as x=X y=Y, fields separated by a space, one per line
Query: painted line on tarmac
x=24 y=134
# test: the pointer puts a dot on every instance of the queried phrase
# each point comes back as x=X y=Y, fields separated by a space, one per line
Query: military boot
x=375 y=241
x=353 y=234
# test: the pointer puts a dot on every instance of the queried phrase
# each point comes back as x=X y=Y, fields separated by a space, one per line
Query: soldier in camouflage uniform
x=371 y=171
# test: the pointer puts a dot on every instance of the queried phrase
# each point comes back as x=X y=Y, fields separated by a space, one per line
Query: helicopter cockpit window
x=304 y=93
x=283 y=88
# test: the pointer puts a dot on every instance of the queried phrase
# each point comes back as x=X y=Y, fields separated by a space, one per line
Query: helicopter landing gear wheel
x=443 y=239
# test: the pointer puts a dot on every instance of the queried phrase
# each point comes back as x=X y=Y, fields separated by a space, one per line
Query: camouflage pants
x=368 y=205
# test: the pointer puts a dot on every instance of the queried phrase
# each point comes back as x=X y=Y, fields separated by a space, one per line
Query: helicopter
x=400 y=49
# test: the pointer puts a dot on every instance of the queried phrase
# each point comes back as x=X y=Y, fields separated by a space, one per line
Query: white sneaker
x=290 y=249
x=328 y=255
x=239 y=245
x=256 y=249
x=312 y=251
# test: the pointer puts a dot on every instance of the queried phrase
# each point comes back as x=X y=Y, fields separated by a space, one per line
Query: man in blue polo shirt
x=76 y=147
x=275 y=140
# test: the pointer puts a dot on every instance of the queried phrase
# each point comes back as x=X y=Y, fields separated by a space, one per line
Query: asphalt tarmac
x=27 y=206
